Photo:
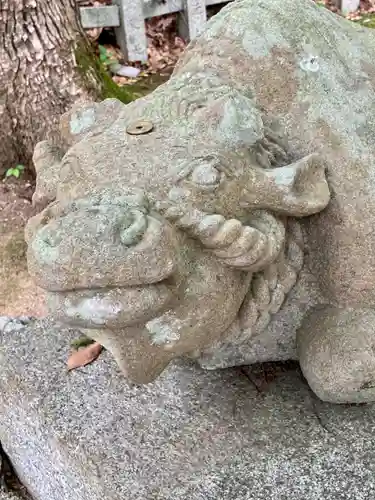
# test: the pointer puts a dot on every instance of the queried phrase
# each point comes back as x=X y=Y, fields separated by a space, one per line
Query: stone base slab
x=191 y=435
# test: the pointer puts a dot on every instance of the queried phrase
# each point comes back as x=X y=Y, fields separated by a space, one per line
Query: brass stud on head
x=140 y=127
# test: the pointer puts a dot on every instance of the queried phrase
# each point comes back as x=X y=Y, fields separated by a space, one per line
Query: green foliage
x=94 y=72
x=105 y=58
x=81 y=342
x=15 y=171
x=103 y=55
x=367 y=20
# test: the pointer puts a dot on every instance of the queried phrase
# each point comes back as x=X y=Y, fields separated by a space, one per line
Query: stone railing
x=128 y=19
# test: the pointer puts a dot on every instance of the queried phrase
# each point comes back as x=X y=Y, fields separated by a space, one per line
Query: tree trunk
x=39 y=77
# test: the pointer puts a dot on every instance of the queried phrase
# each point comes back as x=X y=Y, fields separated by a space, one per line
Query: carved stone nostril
x=133 y=227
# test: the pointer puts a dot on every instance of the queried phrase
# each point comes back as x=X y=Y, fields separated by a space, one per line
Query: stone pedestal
x=191 y=435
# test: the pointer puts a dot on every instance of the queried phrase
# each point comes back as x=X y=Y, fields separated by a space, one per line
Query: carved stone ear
x=298 y=189
x=88 y=118
x=308 y=189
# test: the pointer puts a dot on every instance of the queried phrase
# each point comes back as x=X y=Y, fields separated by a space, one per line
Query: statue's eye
x=206 y=175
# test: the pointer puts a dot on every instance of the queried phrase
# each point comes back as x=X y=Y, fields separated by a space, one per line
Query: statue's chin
x=138 y=359
x=112 y=308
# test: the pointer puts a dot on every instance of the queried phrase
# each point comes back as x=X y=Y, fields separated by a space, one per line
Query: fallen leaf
x=84 y=356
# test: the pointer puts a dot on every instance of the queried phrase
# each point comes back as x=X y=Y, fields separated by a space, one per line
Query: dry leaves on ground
x=165 y=46
x=365 y=7
x=164 y=49
x=84 y=356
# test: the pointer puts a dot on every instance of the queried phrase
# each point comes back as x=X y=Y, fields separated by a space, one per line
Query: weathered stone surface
x=208 y=218
x=97 y=17
x=190 y=435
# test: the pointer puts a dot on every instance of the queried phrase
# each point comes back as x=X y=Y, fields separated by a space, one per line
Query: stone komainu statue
x=228 y=216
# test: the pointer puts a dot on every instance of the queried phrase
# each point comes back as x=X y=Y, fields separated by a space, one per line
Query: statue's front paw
x=240 y=246
x=337 y=355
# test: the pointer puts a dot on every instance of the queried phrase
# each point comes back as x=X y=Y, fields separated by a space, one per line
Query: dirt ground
x=19 y=296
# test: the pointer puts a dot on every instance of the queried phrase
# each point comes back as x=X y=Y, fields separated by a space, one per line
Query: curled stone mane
x=270 y=287
x=271 y=150
x=267 y=292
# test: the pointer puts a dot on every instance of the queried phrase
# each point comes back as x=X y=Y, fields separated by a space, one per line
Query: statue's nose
x=133 y=227
x=128 y=228
x=102 y=246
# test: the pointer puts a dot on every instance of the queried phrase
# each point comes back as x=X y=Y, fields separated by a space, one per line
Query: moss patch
x=367 y=20
x=99 y=82
x=81 y=342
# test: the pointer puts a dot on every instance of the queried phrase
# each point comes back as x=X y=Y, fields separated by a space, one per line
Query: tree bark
x=39 y=76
